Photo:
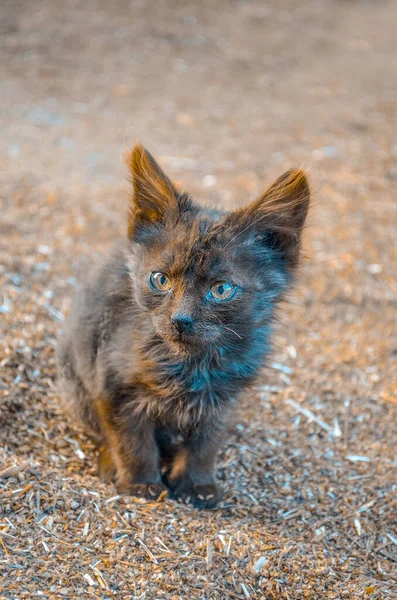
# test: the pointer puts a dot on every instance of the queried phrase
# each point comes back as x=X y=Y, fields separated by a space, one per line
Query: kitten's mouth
x=190 y=344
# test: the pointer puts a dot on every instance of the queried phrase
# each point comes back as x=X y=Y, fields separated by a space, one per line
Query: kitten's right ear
x=153 y=193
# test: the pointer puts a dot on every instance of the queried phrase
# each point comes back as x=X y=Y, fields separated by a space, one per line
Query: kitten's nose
x=182 y=323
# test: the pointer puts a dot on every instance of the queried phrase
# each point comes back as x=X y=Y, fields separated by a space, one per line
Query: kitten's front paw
x=150 y=491
x=201 y=496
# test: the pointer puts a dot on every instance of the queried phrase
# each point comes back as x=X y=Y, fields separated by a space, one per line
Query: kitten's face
x=200 y=288
x=207 y=279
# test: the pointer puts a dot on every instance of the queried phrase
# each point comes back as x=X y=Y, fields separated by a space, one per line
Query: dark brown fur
x=157 y=399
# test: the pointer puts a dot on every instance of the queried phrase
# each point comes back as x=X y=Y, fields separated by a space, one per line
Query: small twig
x=58 y=316
x=10 y=471
x=309 y=414
x=162 y=544
x=392 y=538
x=4 y=546
x=112 y=499
x=154 y=559
x=346 y=422
x=283 y=368
x=357 y=458
x=209 y=555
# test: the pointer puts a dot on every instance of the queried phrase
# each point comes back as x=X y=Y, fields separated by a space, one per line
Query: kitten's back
x=99 y=308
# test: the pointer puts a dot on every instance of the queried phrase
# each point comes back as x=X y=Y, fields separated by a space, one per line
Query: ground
x=227 y=95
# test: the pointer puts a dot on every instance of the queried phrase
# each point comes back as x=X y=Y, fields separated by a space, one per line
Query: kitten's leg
x=191 y=478
x=106 y=467
x=131 y=445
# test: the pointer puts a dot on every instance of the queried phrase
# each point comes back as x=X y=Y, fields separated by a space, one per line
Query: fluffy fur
x=157 y=398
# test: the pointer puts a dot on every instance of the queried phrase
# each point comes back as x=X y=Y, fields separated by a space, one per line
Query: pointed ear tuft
x=153 y=193
x=284 y=207
x=278 y=216
x=287 y=200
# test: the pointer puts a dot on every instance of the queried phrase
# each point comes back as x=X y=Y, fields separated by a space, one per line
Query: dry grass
x=302 y=516
x=309 y=470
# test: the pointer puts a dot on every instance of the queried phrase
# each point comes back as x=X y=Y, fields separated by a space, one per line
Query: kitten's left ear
x=153 y=193
x=278 y=216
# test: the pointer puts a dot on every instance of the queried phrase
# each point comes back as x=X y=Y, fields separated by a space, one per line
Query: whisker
x=232 y=330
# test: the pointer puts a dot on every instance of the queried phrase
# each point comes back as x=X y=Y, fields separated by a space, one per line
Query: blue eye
x=221 y=291
x=159 y=282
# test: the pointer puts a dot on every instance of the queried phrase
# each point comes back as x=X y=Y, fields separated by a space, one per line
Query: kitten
x=163 y=338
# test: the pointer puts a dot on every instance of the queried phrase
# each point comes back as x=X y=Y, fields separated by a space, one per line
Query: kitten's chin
x=185 y=348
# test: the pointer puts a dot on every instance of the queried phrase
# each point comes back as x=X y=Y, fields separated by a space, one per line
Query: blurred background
x=226 y=94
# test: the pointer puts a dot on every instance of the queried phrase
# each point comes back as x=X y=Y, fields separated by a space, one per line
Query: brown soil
x=227 y=95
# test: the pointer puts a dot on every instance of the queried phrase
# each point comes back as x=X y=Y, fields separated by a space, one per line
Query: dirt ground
x=227 y=95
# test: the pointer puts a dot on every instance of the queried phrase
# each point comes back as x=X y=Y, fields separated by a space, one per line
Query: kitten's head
x=206 y=278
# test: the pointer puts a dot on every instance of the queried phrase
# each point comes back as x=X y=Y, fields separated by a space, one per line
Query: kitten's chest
x=182 y=393
x=202 y=384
